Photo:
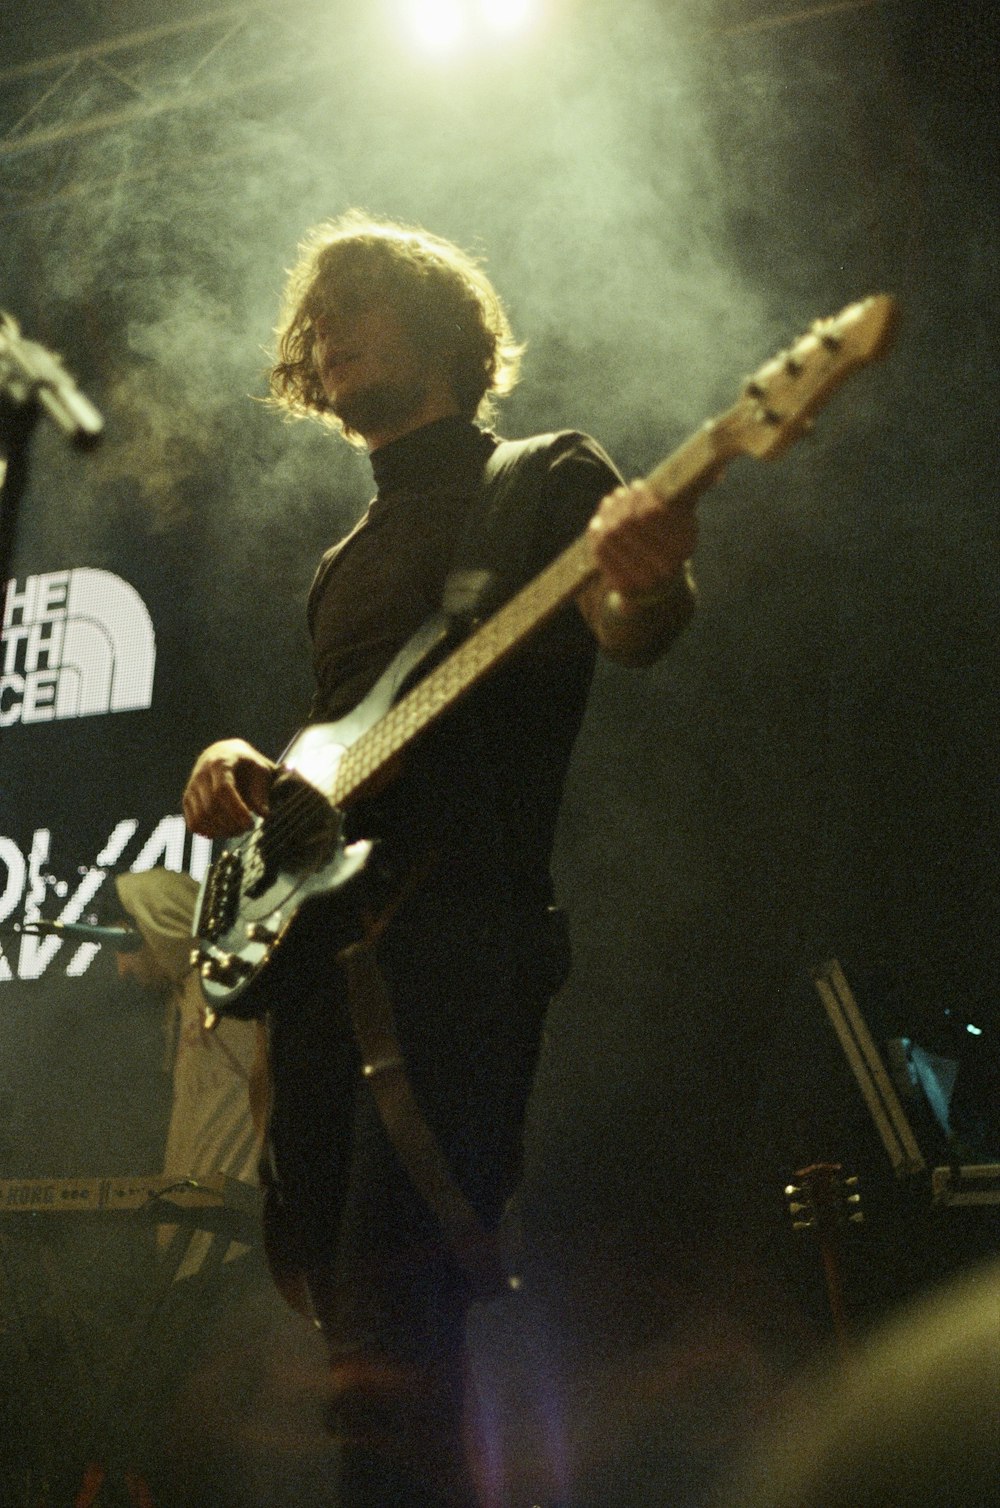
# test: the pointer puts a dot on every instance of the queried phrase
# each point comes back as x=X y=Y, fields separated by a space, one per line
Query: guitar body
x=258 y=892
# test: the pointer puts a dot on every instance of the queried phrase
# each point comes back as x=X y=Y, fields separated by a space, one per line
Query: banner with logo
x=78 y=652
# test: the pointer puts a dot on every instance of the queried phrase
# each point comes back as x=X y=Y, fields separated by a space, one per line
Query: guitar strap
x=490 y=555
x=477 y=1250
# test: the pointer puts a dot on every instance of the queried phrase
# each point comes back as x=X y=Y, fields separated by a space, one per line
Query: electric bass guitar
x=256 y=890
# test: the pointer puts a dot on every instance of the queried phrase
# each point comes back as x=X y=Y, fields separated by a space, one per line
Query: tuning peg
x=793 y=1190
x=857 y=1218
x=822 y=329
x=758 y=391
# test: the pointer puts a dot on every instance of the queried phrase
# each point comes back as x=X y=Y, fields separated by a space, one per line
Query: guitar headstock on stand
x=825 y=1202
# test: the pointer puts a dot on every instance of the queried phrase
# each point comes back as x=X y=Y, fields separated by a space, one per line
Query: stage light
x=505 y=15
x=438 y=24
x=444 y=26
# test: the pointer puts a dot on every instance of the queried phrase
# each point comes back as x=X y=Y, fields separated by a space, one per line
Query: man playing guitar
x=402 y=1053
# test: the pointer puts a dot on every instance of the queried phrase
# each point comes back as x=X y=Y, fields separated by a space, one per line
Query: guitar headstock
x=822 y=1199
x=780 y=400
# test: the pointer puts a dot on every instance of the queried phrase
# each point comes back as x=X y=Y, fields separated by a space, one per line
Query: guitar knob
x=225 y=969
x=259 y=932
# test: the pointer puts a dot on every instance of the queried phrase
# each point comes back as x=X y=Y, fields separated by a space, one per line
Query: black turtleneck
x=441 y=451
x=375 y=588
x=485 y=783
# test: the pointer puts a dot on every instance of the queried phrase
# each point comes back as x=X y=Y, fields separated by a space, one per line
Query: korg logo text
x=76 y=643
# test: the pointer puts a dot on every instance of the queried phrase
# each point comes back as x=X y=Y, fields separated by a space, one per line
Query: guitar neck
x=698 y=459
x=514 y=623
x=473 y=659
x=776 y=406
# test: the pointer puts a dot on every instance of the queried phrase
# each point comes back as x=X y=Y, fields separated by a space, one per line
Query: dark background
x=666 y=194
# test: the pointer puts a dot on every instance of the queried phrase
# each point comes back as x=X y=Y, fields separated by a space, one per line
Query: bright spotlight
x=438 y=24
x=506 y=15
x=443 y=26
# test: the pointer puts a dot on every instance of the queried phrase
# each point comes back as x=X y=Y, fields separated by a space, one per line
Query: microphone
x=122 y=939
x=28 y=371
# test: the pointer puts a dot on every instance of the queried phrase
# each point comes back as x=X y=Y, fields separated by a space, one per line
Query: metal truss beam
x=104 y=60
x=129 y=41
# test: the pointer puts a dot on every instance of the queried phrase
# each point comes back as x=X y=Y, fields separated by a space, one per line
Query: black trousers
x=390 y=1296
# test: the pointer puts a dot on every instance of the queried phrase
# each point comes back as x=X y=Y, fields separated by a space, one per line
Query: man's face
x=375 y=380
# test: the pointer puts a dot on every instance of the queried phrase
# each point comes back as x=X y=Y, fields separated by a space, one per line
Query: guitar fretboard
x=775 y=408
x=469 y=663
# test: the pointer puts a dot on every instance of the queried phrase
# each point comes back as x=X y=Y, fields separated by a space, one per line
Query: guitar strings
x=430 y=696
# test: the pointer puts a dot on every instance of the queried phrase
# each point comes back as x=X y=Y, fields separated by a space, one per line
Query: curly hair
x=445 y=302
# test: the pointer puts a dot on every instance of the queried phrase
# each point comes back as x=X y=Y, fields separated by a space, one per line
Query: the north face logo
x=76 y=643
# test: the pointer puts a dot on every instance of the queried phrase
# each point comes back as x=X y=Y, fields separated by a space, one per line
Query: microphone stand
x=16 y=426
x=33 y=380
